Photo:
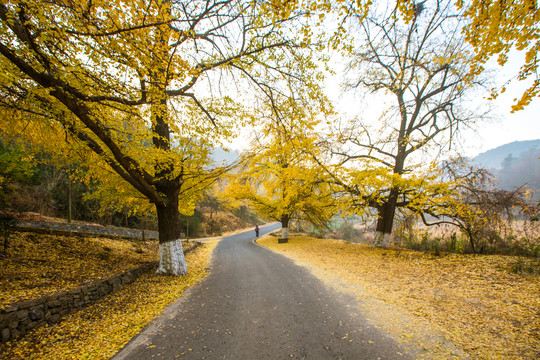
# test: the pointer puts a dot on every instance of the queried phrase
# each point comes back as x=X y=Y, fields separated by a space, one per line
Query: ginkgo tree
x=278 y=176
x=421 y=67
x=144 y=84
x=472 y=203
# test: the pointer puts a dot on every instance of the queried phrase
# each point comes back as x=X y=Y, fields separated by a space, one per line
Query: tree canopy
x=279 y=177
x=147 y=86
x=494 y=29
x=143 y=90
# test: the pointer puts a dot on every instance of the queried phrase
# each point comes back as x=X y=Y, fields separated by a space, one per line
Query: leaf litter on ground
x=39 y=264
x=100 y=330
x=475 y=301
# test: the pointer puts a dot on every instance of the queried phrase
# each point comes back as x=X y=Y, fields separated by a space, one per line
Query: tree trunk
x=69 y=200
x=385 y=221
x=387 y=210
x=284 y=229
x=171 y=253
x=471 y=239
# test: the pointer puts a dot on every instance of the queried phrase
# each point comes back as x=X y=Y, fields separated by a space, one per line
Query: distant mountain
x=494 y=158
x=514 y=165
x=224 y=156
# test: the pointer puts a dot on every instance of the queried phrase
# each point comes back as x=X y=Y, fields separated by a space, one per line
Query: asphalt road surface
x=256 y=304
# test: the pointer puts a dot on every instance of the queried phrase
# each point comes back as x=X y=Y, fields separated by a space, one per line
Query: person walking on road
x=257 y=230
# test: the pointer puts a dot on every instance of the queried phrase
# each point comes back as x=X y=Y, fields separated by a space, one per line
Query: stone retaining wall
x=84 y=230
x=18 y=319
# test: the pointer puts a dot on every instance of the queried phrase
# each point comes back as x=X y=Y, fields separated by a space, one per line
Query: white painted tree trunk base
x=382 y=240
x=171 y=259
x=285 y=233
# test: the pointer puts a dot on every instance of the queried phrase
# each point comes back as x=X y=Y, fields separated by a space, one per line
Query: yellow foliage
x=279 y=177
x=475 y=301
x=119 y=79
x=369 y=183
x=495 y=28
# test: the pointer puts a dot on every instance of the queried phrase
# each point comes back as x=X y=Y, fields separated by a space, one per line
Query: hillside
x=514 y=165
x=225 y=156
x=40 y=265
x=494 y=158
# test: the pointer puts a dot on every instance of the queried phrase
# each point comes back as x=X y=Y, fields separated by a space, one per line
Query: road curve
x=256 y=304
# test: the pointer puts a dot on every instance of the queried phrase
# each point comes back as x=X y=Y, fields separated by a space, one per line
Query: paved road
x=256 y=304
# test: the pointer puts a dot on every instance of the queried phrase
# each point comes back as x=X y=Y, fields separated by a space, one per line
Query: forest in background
x=33 y=182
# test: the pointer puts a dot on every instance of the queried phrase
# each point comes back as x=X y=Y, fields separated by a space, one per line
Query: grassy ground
x=475 y=302
x=98 y=331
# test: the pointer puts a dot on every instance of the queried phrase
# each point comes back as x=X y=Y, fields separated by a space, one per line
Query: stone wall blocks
x=10 y=309
x=22 y=314
x=6 y=334
x=4 y=320
x=37 y=314
x=55 y=310
x=53 y=304
x=32 y=303
x=24 y=324
x=14 y=324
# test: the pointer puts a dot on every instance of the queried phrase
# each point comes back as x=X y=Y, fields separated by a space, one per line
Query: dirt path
x=256 y=304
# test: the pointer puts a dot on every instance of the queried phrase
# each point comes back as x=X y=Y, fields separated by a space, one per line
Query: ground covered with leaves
x=38 y=265
x=100 y=330
x=484 y=305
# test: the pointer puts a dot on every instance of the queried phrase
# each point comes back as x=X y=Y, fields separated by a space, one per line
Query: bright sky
x=502 y=127
x=506 y=127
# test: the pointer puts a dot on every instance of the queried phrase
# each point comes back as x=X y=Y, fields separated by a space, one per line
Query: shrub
x=213 y=227
x=526 y=267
